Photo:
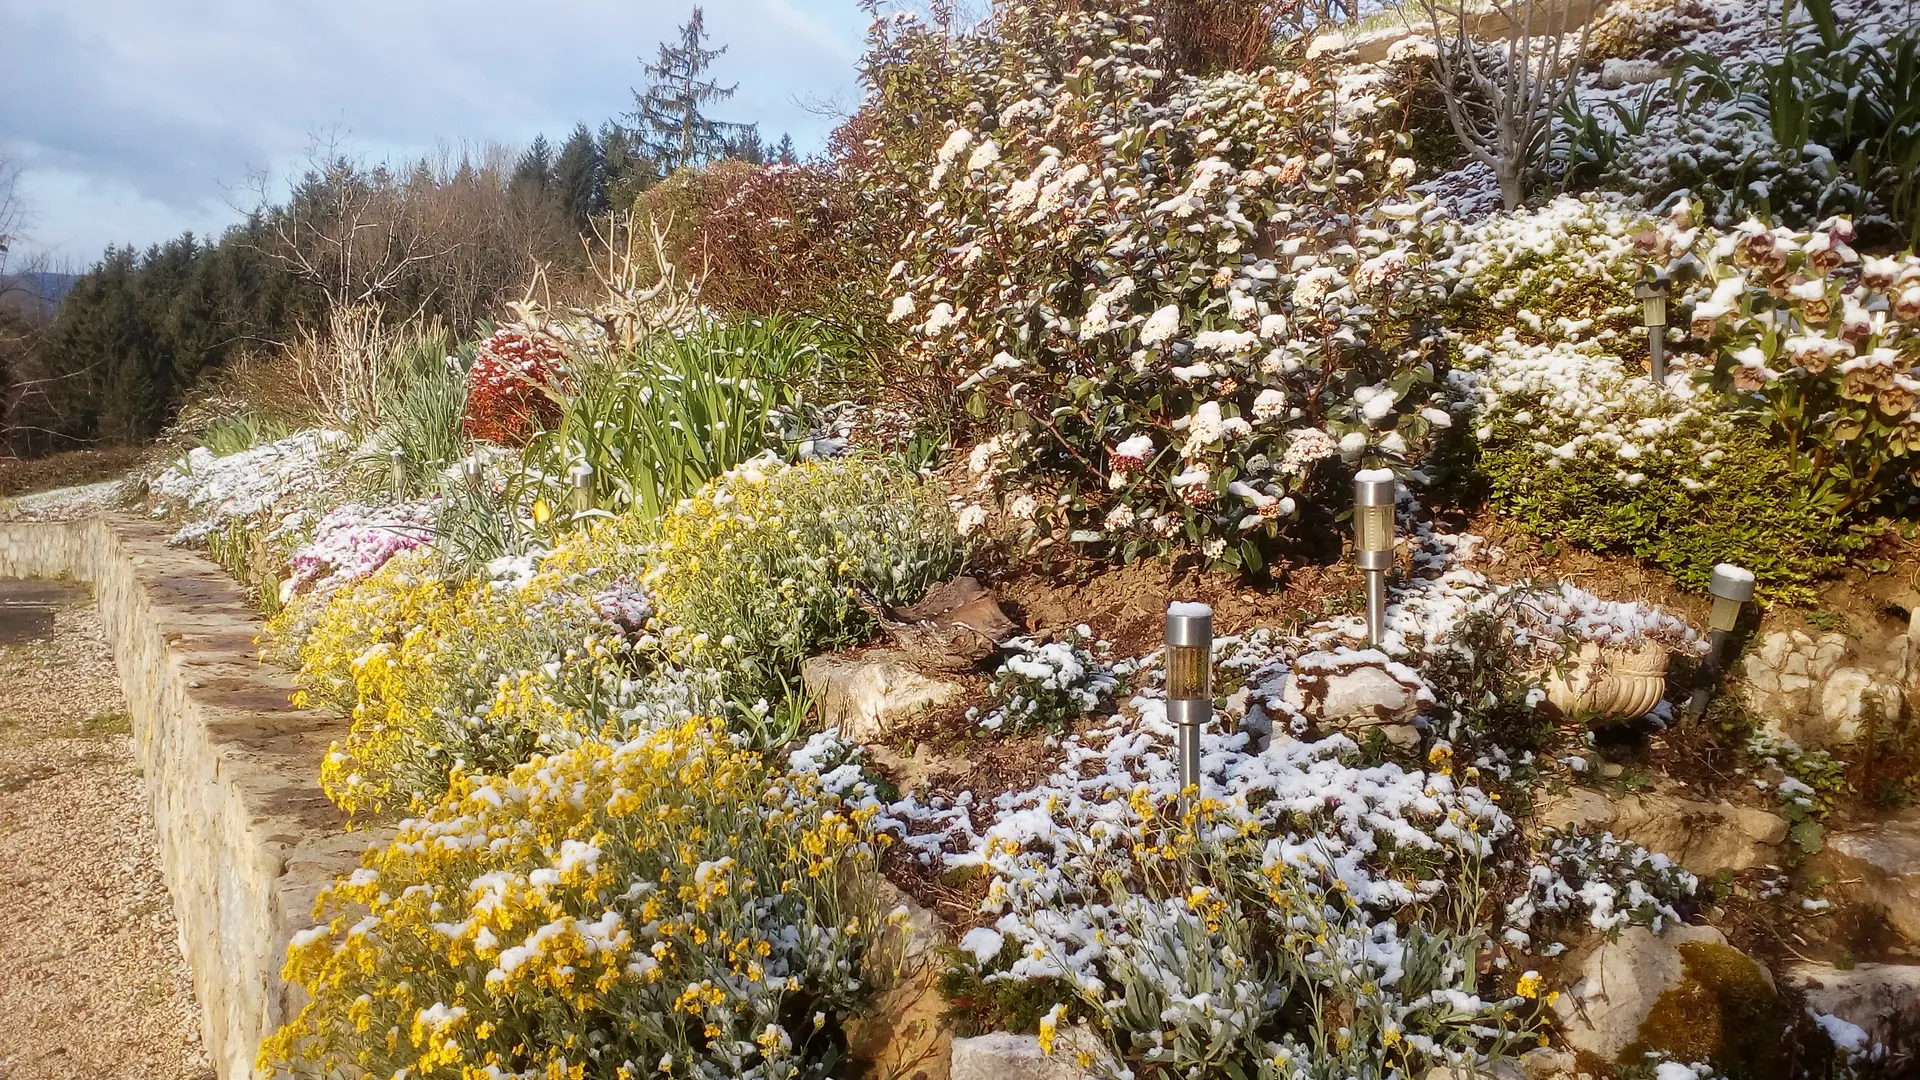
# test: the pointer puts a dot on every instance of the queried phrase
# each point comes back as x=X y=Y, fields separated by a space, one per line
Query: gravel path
x=91 y=979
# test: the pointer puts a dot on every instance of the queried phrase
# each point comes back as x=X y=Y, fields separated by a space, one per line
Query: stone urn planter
x=1608 y=682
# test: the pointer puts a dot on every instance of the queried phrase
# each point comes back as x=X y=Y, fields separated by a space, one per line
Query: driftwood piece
x=954 y=627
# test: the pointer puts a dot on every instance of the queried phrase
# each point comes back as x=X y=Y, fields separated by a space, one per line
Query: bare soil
x=92 y=983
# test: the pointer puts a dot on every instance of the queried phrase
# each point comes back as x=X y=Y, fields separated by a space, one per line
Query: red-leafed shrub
x=510 y=390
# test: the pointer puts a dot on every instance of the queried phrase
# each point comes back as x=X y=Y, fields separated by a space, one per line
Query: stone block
x=863 y=695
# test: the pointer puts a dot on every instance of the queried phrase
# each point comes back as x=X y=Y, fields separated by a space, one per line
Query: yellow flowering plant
x=673 y=905
x=439 y=673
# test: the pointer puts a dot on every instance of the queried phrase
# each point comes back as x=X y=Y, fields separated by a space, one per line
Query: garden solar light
x=398 y=459
x=474 y=472
x=1731 y=587
x=1373 y=493
x=1652 y=292
x=582 y=489
x=1189 y=681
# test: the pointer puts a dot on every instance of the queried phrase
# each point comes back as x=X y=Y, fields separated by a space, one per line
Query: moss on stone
x=1724 y=1011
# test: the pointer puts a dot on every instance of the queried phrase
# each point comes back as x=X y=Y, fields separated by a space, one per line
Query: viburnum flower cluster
x=1158 y=285
x=510 y=389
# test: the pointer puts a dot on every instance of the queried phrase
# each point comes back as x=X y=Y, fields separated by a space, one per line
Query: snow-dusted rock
x=864 y=694
x=1882 y=1000
x=1846 y=700
x=1704 y=837
x=1643 y=986
x=1878 y=865
x=1802 y=687
x=1356 y=691
x=1005 y=1056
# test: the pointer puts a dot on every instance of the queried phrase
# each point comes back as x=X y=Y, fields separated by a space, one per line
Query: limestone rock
x=1704 y=837
x=1356 y=692
x=1005 y=1056
x=1881 y=999
x=1878 y=866
x=905 y=1033
x=1799 y=685
x=864 y=694
x=1849 y=696
x=1546 y=1063
x=1686 y=986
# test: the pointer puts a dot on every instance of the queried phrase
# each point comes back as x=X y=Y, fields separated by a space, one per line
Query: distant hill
x=52 y=287
x=45 y=287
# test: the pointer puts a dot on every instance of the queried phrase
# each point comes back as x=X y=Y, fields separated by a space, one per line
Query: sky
x=131 y=121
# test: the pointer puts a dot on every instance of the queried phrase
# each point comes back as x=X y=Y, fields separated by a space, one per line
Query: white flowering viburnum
x=1157 y=286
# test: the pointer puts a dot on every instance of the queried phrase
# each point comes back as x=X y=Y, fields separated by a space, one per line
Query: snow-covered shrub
x=1576 y=443
x=1608 y=883
x=510 y=389
x=1047 y=683
x=1576 y=446
x=261 y=485
x=1171 y=295
x=1563 y=272
x=352 y=541
x=669 y=906
x=1227 y=933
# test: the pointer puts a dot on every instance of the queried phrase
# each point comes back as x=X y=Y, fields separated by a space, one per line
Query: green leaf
x=1809 y=836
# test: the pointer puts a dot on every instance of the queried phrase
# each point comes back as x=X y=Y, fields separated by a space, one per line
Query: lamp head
x=1374 y=491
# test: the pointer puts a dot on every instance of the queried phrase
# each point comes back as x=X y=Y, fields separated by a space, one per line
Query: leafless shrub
x=1505 y=67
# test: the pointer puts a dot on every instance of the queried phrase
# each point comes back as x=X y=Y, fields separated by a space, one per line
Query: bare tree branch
x=1501 y=96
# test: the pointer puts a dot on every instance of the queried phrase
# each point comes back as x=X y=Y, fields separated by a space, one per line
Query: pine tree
x=535 y=169
x=745 y=145
x=673 y=128
x=580 y=177
x=783 y=153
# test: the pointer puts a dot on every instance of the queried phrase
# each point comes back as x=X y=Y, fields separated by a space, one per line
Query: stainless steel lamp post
x=1189 y=682
x=1652 y=292
x=1373 y=496
x=582 y=490
x=1731 y=588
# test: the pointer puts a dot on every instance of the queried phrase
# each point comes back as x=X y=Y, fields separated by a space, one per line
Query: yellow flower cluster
x=438 y=673
x=666 y=905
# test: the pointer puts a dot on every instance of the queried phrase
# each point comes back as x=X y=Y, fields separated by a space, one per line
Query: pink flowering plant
x=352 y=541
x=1175 y=297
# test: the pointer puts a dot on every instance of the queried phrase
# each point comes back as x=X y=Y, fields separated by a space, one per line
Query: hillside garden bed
x=562 y=580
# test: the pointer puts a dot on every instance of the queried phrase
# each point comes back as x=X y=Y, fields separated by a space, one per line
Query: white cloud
x=134 y=119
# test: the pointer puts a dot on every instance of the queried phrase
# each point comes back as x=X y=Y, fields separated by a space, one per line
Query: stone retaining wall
x=231 y=768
